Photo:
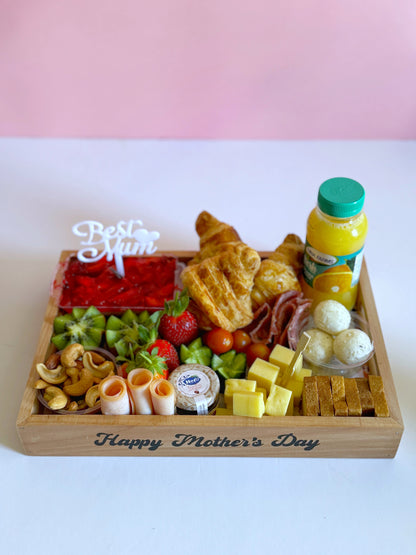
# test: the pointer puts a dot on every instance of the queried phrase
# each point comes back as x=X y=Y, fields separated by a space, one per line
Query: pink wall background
x=268 y=69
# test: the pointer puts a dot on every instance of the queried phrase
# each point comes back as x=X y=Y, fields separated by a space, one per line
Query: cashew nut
x=40 y=384
x=92 y=396
x=96 y=357
x=72 y=373
x=80 y=387
x=55 y=376
x=73 y=406
x=79 y=364
x=70 y=354
x=55 y=397
x=99 y=371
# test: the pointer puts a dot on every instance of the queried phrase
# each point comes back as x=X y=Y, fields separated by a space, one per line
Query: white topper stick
x=125 y=238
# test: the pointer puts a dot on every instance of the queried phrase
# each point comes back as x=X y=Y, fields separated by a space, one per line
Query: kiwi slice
x=130 y=331
x=85 y=326
x=122 y=333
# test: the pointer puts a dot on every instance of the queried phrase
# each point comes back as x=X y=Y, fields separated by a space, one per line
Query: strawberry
x=165 y=350
x=177 y=324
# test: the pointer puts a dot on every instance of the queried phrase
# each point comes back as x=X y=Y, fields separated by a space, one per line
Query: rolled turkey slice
x=114 y=396
x=163 y=397
x=138 y=382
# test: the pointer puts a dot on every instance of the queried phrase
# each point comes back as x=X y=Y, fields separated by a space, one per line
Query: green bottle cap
x=341 y=197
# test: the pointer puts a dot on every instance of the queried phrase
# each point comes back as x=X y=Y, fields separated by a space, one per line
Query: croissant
x=278 y=273
x=290 y=252
x=214 y=237
x=221 y=286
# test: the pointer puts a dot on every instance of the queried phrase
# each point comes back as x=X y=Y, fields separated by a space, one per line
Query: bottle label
x=331 y=274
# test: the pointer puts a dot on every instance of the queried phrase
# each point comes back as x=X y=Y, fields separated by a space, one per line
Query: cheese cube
x=296 y=388
x=301 y=373
x=263 y=390
x=278 y=401
x=233 y=385
x=248 y=403
x=282 y=356
x=291 y=408
x=264 y=373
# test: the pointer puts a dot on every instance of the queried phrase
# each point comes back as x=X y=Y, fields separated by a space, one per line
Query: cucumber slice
x=228 y=357
x=223 y=372
x=230 y=364
x=195 y=353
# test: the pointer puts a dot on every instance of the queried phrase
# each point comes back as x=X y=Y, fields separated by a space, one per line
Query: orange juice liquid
x=333 y=256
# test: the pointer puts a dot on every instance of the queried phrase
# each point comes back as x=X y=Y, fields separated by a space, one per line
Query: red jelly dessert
x=148 y=282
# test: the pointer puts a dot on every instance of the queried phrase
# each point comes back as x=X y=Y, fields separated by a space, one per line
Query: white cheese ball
x=352 y=346
x=331 y=317
x=319 y=349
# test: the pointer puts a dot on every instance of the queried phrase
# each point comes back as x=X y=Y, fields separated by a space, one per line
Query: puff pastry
x=221 y=285
x=278 y=273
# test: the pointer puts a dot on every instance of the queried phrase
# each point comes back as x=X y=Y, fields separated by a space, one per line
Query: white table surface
x=200 y=505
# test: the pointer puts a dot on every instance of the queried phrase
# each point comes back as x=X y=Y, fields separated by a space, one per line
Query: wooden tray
x=214 y=436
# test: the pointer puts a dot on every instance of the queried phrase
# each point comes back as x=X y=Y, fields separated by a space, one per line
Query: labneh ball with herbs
x=352 y=346
x=331 y=317
x=319 y=349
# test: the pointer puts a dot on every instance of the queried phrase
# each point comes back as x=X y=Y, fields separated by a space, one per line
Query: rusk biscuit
x=326 y=403
x=310 y=399
x=377 y=390
x=352 y=397
x=366 y=398
x=338 y=395
x=338 y=388
x=340 y=408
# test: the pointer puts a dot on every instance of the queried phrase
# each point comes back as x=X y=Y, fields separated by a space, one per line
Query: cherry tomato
x=219 y=341
x=241 y=341
x=257 y=350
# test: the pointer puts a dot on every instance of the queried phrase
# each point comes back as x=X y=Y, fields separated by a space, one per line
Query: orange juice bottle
x=335 y=236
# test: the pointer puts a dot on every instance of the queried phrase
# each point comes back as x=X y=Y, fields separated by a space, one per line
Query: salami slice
x=297 y=322
x=281 y=322
x=259 y=327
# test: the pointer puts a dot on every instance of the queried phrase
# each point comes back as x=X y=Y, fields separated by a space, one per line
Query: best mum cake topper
x=124 y=239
